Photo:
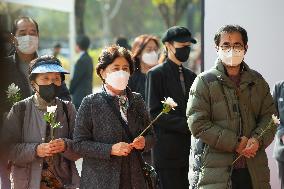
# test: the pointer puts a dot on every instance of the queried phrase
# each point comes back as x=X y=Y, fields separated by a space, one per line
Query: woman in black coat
x=110 y=155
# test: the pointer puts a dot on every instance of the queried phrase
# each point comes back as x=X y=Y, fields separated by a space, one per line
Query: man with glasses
x=171 y=79
x=229 y=106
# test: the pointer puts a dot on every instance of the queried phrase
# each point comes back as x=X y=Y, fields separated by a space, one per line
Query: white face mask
x=118 y=79
x=27 y=44
x=232 y=57
x=150 y=58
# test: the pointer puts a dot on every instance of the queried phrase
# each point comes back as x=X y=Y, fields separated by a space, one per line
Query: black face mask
x=182 y=54
x=48 y=92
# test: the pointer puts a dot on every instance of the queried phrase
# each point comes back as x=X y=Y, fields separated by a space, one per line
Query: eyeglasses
x=236 y=47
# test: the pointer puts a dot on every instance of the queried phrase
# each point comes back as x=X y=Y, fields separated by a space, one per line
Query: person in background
x=24 y=42
x=171 y=79
x=56 y=49
x=145 y=50
x=6 y=47
x=38 y=159
x=107 y=126
x=81 y=83
x=123 y=42
x=278 y=153
x=26 y=32
x=145 y=53
x=23 y=45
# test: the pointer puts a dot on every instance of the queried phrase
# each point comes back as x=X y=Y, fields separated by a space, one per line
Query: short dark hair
x=123 y=42
x=43 y=58
x=231 y=29
x=57 y=45
x=83 y=42
x=109 y=54
x=15 y=24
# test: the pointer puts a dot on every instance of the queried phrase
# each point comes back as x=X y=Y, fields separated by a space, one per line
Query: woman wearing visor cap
x=39 y=161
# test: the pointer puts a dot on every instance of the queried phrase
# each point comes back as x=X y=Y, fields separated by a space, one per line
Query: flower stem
x=237 y=159
x=51 y=133
x=161 y=113
x=271 y=123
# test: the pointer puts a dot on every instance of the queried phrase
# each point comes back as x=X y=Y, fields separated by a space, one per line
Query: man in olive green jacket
x=228 y=108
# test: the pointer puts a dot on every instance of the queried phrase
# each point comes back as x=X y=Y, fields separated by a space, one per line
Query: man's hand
x=251 y=148
x=242 y=145
x=121 y=149
x=138 y=143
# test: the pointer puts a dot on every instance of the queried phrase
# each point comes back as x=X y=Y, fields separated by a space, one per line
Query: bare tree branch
x=180 y=7
x=164 y=10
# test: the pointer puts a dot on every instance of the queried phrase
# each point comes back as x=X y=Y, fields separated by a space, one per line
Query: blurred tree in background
x=172 y=10
x=79 y=16
x=128 y=18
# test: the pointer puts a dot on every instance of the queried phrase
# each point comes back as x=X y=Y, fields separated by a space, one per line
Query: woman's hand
x=43 y=150
x=51 y=148
x=121 y=149
x=57 y=146
x=138 y=143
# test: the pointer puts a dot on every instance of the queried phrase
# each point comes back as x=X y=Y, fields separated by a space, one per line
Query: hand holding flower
x=57 y=146
x=121 y=149
x=242 y=144
x=253 y=144
x=138 y=143
x=43 y=150
x=251 y=148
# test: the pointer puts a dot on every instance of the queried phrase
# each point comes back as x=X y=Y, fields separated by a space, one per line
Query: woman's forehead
x=120 y=61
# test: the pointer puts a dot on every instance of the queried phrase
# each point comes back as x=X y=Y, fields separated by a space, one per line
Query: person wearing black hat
x=171 y=79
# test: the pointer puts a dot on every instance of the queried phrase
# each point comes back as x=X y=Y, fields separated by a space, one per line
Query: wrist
x=65 y=144
x=239 y=139
x=37 y=153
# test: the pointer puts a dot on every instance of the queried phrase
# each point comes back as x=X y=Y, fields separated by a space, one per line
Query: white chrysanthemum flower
x=275 y=119
x=51 y=109
x=169 y=101
x=12 y=90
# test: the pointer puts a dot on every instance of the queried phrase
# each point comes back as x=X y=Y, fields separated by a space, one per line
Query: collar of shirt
x=122 y=101
x=175 y=67
x=81 y=53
